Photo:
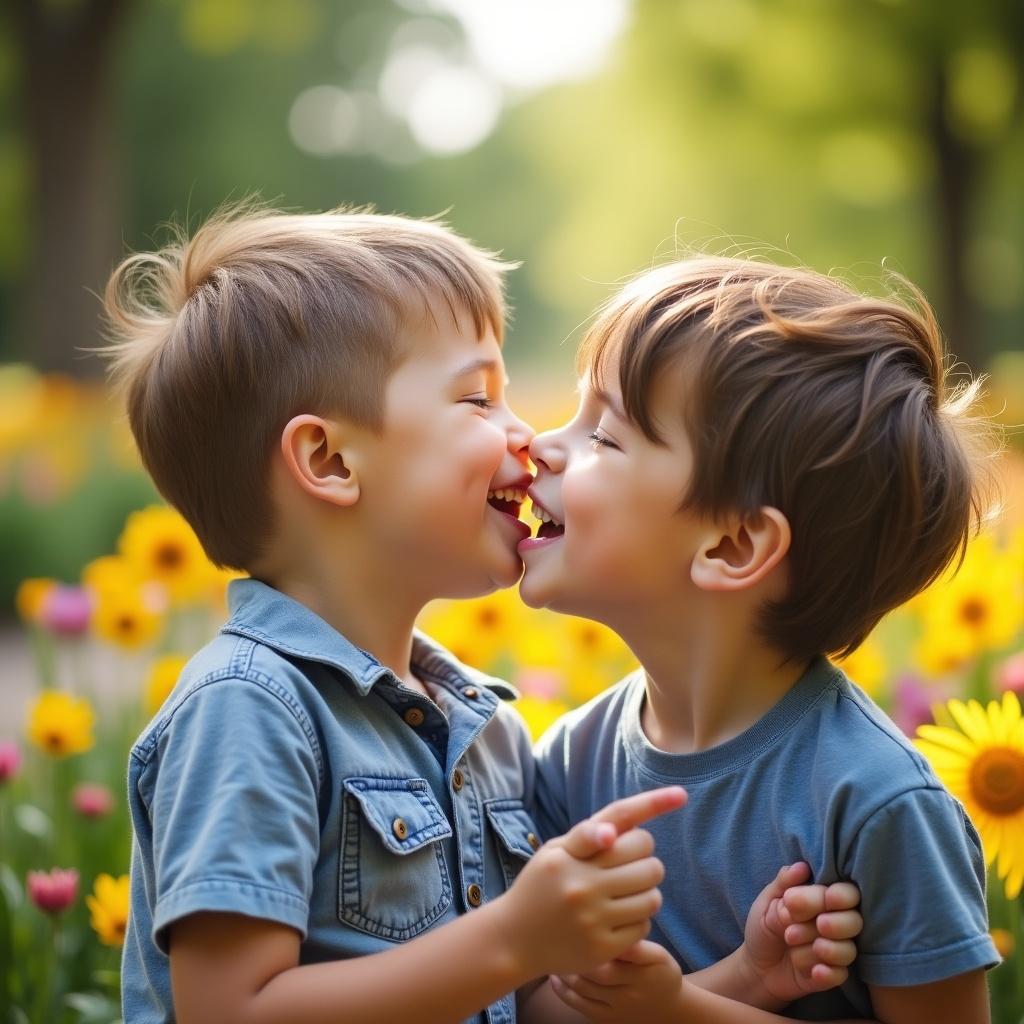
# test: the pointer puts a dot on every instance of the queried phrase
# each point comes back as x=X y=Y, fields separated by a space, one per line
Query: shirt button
x=474 y=895
x=532 y=840
x=457 y=779
x=471 y=692
x=400 y=828
x=414 y=717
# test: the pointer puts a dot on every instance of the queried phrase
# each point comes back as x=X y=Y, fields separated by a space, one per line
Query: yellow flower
x=30 y=597
x=940 y=652
x=982 y=763
x=161 y=679
x=476 y=632
x=129 y=618
x=1003 y=941
x=108 y=908
x=161 y=546
x=539 y=713
x=60 y=724
x=866 y=666
x=985 y=599
x=110 y=574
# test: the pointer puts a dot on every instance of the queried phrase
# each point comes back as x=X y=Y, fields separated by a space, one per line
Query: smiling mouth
x=508 y=500
x=549 y=525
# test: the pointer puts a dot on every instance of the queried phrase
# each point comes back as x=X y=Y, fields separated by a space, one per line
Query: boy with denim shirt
x=763 y=463
x=323 y=399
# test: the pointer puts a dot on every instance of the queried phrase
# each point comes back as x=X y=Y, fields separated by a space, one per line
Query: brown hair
x=219 y=339
x=831 y=406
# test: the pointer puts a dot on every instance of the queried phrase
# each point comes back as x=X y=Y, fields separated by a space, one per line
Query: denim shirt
x=292 y=777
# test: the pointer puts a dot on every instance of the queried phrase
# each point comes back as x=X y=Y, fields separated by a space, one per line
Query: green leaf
x=32 y=820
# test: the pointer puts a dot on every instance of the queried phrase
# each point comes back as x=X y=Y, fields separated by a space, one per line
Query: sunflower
x=130 y=618
x=162 y=677
x=983 y=602
x=866 y=666
x=539 y=713
x=161 y=546
x=108 y=908
x=61 y=725
x=982 y=763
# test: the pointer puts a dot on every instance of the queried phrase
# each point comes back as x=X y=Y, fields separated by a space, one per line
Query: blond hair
x=217 y=340
x=798 y=393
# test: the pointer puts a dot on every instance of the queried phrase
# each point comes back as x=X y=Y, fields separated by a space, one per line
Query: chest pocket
x=394 y=882
x=515 y=835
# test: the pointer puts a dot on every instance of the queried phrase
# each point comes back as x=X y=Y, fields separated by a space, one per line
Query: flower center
x=54 y=742
x=169 y=556
x=126 y=624
x=488 y=618
x=974 y=611
x=997 y=780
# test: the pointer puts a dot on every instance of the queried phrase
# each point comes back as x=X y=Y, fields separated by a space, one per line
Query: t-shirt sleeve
x=550 y=792
x=919 y=865
x=233 y=805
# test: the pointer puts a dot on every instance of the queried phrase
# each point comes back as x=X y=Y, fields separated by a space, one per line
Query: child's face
x=449 y=442
x=619 y=543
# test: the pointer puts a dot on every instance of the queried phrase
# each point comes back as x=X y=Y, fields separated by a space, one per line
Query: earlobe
x=742 y=552
x=317 y=457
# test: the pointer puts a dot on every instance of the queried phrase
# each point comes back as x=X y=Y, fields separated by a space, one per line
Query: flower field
x=108 y=646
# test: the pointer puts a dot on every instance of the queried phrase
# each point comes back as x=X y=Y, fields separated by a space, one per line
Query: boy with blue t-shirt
x=330 y=812
x=763 y=463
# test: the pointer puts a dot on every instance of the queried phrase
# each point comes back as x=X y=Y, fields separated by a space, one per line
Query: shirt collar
x=270 y=617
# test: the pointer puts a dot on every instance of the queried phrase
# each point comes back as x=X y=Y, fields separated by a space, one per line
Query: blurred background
x=586 y=138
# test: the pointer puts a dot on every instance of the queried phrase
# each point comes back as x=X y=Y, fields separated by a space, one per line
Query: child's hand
x=799 y=938
x=589 y=895
x=642 y=984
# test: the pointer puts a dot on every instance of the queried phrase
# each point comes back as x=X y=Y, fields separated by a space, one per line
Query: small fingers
x=824 y=977
x=633 y=845
x=835 y=954
x=573 y=999
x=801 y=934
x=841 y=924
x=804 y=902
x=842 y=896
x=633 y=878
x=633 y=909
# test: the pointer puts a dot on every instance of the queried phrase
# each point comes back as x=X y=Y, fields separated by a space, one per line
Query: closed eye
x=601 y=441
x=480 y=403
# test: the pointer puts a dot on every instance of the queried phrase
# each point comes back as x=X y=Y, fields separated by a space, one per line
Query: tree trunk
x=66 y=54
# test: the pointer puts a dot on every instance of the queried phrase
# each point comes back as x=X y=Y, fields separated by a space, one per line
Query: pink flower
x=912 y=704
x=66 y=610
x=1011 y=674
x=540 y=682
x=10 y=760
x=53 y=891
x=92 y=800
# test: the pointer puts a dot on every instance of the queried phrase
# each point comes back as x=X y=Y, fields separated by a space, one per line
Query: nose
x=547 y=451
x=519 y=434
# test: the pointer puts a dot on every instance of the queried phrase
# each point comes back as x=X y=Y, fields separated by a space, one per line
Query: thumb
x=769 y=901
x=643 y=952
x=589 y=838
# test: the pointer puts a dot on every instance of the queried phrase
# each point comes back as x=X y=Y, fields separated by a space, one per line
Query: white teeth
x=544 y=516
x=508 y=494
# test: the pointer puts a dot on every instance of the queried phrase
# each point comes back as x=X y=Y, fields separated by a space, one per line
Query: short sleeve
x=550 y=795
x=232 y=798
x=919 y=865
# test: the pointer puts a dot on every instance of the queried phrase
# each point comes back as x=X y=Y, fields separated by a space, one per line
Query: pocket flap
x=403 y=812
x=512 y=825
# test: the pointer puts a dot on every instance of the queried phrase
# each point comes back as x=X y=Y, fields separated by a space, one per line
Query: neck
x=368 y=608
x=707 y=678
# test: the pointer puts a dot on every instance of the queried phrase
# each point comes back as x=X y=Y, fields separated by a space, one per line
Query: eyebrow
x=488 y=365
x=612 y=403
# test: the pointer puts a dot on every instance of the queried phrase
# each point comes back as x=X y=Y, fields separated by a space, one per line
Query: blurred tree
x=65 y=49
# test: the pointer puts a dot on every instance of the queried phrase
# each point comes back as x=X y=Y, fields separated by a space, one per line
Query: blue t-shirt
x=292 y=777
x=824 y=777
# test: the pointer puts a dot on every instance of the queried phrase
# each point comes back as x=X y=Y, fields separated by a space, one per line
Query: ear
x=741 y=552
x=318 y=456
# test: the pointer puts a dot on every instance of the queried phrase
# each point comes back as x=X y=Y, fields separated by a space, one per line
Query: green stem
x=45 y=658
x=1018 y=951
x=979 y=687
